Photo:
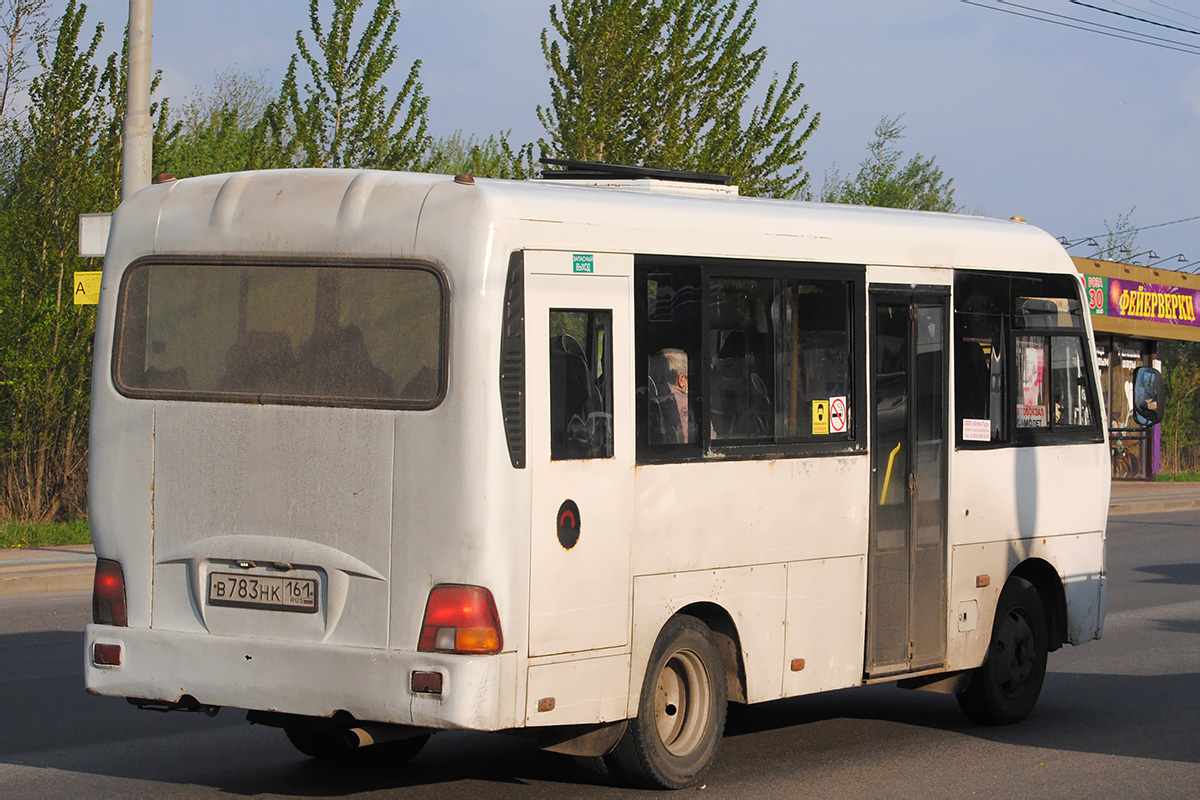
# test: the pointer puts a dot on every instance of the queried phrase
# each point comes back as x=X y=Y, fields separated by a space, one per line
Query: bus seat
x=258 y=361
x=576 y=402
x=666 y=427
x=336 y=362
x=760 y=405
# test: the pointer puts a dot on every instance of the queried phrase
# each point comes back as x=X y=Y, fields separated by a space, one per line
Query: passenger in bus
x=669 y=377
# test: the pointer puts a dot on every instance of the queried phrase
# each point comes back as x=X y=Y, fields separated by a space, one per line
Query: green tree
x=884 y=179
x=493 y=157
x=343 y=117
x=224 y=129
x=62 y=158
x=22 y=23
x=45 y=351
x=249 y=95
x=1120 y=241
x=667 y=83
x=1181 y=416
x=111 y=106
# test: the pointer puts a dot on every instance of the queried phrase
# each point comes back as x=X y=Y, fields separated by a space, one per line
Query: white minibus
x=377 y=454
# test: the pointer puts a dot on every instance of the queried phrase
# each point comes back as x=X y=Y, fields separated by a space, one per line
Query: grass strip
x=1178 y=477
x=29 y=534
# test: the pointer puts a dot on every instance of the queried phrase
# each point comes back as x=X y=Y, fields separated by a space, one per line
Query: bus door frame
x=580 y=581
x=906 y=566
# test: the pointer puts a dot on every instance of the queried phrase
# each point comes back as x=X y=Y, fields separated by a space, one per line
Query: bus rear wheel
x=681 y=711
x=1006 y=687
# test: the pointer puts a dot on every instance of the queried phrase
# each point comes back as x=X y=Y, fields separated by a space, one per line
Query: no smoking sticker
x=838 y=418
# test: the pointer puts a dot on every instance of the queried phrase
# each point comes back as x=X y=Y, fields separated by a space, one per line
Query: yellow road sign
x=87 y=288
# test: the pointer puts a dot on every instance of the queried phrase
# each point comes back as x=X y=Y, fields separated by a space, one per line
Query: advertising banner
x=1152 y=302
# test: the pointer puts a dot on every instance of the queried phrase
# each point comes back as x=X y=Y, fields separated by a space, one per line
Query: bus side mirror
x=1147 y=396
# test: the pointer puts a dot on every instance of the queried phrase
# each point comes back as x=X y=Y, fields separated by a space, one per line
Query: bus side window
x=1021 y=354
x=741 y=347
x=1069 y=378
x=980 y=363
x=669 y=366
x=581 y=423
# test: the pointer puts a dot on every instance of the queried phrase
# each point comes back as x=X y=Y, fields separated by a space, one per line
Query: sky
x=1066 y=127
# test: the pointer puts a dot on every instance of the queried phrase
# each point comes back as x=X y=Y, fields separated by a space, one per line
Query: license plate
x=262 y=591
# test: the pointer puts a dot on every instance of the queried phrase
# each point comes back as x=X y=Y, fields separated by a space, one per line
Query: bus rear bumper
x=307 y=678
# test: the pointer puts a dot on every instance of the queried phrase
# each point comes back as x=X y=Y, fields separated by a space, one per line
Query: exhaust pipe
x=359 y=737
x=368 y=733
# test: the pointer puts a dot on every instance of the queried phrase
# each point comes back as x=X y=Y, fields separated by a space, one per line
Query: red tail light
x=460 y=619
x=108 y=595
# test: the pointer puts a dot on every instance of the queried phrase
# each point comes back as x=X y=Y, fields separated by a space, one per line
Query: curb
x=1159 y=507
x=46 y=583
x=43 y=570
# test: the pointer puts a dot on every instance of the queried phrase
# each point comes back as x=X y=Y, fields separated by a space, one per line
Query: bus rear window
x=290 y=334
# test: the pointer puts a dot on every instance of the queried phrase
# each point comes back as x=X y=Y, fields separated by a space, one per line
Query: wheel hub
x=1014 y=653
x=682 y=698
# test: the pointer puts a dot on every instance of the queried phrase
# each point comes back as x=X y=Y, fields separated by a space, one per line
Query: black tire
x=329 y=744
x=681 y=711
x=1006 y=687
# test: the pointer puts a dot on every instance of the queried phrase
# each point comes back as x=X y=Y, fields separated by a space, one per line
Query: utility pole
x=137 y=131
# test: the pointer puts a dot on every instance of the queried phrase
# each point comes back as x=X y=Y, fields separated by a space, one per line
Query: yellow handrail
x=887 y=478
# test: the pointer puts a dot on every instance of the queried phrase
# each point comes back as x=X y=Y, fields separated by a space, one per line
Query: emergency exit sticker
x=820 y=417
x=838 y=418
x=583 y=263
x=87 y=288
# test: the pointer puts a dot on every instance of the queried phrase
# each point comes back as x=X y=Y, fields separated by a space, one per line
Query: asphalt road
x=1120 y=717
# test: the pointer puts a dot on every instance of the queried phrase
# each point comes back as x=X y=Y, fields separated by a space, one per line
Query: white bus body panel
x=826 y=624
x=755 y=598
x=390 y=503
x=687 y=518
x=178 y=484
x=579 y=596
x=1058 y=521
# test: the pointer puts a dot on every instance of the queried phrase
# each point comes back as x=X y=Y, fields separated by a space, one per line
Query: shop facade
x=1133 y=309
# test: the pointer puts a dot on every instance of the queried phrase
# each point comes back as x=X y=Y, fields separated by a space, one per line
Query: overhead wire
x=1087 y=25
x=1176 y=10
x=1151 y=13
x=1115 y=32
x=1132 y=17
x=1134 y=230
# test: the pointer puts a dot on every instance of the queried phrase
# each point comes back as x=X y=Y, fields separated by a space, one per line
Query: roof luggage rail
x=573 y=169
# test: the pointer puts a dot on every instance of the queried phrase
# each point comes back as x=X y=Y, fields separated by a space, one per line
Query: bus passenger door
x=906 y=561
x=580 y=432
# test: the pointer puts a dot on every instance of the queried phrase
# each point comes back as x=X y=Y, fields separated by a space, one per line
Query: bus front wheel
x=1005 y=688
x=681 y=711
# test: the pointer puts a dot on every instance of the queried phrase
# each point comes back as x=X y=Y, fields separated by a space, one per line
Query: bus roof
x=372 y=212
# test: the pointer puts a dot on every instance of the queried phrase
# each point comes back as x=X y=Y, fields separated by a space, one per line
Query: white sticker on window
x=839 y=420
x=977 y=430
